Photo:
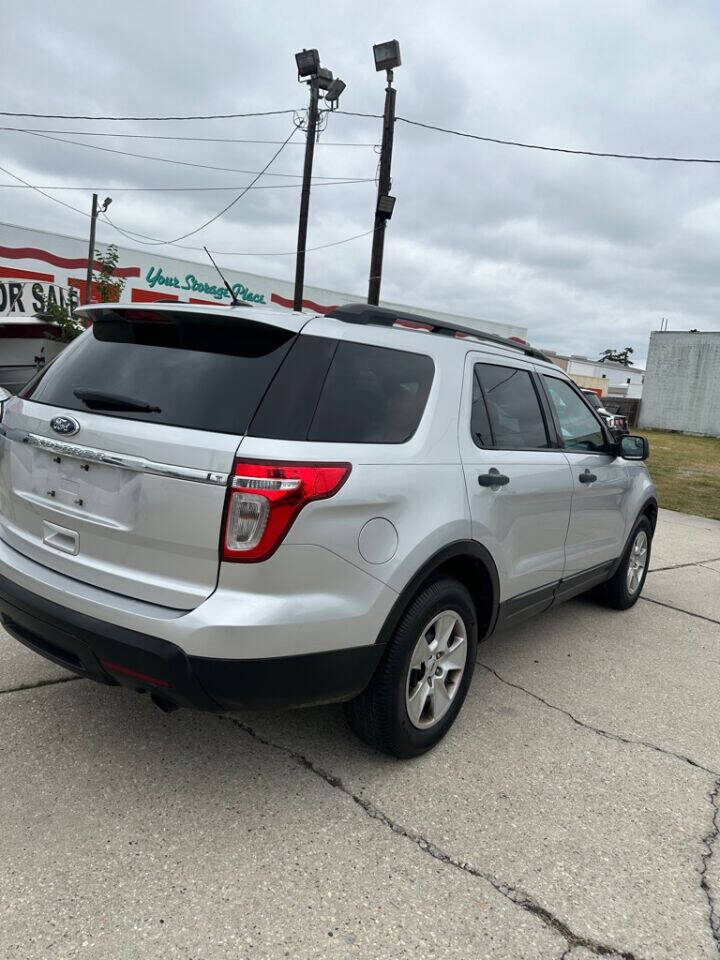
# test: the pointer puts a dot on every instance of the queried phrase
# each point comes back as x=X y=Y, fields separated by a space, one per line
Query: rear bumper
x=116 y=655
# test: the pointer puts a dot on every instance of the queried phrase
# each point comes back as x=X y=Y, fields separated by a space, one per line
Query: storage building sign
x=37 y=268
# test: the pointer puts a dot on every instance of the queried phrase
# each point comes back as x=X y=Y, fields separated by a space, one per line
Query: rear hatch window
x=172 y=368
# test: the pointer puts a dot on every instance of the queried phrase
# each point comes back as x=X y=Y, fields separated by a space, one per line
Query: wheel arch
x=650 y=510
x=467 y=561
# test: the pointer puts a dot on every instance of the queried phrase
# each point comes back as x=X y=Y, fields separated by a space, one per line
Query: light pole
x=387 y=57
x=91 y=248
x=318 y=78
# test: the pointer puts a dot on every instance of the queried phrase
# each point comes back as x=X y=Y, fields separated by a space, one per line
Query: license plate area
x=105 y=494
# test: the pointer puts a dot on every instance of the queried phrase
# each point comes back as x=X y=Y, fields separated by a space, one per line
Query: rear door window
x=343 y=392
x=188 y=370
x=514 y=416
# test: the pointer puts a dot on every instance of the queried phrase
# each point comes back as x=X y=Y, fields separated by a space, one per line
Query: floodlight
x=334 y=90
x=324 y=78
x=308 y=63
x=387 y=55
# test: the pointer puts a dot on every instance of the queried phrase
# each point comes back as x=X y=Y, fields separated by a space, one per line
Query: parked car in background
x=230 y=508
x=615 y=421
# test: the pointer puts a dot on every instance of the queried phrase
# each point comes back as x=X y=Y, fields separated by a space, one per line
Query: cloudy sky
x=588 y=253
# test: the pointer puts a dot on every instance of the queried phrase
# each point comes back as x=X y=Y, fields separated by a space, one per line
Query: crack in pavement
x=709 y=838
x=709 y=841
x=679 y=566
x=689 y=613
x=600 y=731
x=40 y=683
x=515 y=895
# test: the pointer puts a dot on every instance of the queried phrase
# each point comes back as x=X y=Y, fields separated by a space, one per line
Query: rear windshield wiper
x=97 y=400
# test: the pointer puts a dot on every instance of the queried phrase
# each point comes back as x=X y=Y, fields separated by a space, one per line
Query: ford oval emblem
x=67 y=426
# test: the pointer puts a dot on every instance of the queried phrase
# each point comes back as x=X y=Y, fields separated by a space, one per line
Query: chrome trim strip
x=123 y=461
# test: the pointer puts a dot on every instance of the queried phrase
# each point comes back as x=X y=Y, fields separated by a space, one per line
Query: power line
x=375 y=116
x=182 y=246
x=212 y=116
x=351 y=113
x=537 y=146
x=154 y=241
x=42 y=193
x=159 y=136
x=143 y=156
x=226 y=189
x=282 y=253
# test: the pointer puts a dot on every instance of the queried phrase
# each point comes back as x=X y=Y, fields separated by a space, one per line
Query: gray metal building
x=682 y=383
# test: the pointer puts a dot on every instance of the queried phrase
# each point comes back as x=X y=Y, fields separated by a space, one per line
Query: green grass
x=686 y=471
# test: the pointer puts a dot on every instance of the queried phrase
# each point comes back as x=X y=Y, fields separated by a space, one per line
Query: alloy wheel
x=637 y=562
x=436 y=669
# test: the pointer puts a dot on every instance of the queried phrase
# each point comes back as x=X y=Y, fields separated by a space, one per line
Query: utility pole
x=387 y=56
x=91 y=249
x=317 y=78
x=305 y=195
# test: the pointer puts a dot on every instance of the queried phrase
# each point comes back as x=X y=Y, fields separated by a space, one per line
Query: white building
x=683 y=382
x=51 y=258
x=611 y=379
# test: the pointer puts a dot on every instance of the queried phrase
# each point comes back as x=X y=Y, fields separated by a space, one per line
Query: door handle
x=493 y=478
x=587 y=477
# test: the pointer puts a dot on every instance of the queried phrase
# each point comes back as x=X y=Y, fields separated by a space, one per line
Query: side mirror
x=4 y=394
x=634 y=448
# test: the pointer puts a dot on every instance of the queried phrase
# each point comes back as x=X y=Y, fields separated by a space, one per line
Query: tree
x=62 y=315
x=109 y=290
x=618 y=356
x=109 y=287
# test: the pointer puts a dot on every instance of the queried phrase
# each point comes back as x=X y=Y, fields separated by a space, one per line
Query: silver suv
x=228 y=508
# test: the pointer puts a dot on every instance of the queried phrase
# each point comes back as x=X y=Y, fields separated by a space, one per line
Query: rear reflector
x=136 y=675
x=264 y=499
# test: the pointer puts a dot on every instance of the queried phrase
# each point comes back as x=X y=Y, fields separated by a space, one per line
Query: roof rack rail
x=364 y=313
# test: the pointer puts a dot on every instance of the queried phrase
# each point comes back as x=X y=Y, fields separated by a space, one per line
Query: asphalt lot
x=572 y=812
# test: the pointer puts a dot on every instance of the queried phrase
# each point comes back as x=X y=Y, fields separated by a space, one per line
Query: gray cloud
x=588 y=253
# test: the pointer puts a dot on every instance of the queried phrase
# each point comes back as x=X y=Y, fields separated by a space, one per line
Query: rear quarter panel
x=417 y=486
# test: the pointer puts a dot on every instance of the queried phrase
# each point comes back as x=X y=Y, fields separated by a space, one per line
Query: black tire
x=616 y=592
x=379 y=716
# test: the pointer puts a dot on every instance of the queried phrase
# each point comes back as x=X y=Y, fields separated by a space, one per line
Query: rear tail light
x=264 y=499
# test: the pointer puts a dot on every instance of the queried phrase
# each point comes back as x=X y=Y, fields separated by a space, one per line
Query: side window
x=512 y=409
x=343 y=392
x=578 y=427
x=372 y=395
x=479 y=422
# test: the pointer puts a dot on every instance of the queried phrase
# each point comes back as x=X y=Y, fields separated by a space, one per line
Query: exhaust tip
x=167 y=706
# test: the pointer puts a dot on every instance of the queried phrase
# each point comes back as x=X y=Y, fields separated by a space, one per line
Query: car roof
x=424 y=333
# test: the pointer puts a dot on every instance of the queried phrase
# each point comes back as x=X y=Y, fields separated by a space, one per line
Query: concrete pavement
x=573 y=811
